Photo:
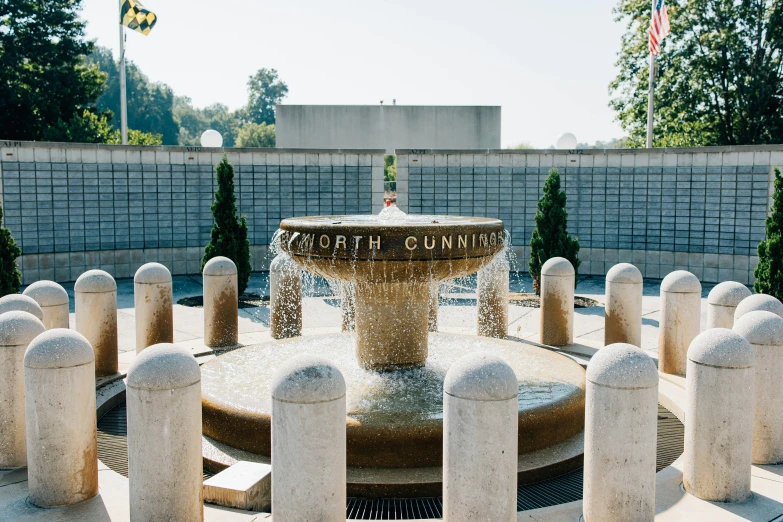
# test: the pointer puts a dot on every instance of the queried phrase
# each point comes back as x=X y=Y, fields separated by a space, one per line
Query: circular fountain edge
x=414 y=482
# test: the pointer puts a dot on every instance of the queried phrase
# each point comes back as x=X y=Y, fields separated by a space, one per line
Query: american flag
x=659 y=27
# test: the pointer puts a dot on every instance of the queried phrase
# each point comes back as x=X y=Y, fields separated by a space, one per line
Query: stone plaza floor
x=457 y=313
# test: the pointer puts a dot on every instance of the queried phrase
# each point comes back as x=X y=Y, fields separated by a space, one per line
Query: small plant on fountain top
x=550 y=236
x=229 y=233
x=769 y=272
x=10 y=277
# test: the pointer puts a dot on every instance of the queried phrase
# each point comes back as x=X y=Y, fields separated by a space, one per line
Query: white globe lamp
x=211 y=138
x=566 y=141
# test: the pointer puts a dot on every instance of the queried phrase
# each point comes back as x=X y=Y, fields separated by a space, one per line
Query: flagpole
x=650 y=103
x=123 y=101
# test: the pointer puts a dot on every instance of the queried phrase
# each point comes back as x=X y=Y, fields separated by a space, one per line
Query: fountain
x=393 y=367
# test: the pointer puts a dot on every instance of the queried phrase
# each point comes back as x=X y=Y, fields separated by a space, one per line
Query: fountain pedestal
x=391 y=325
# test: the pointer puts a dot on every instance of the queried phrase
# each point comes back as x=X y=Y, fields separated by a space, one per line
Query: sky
x=547 y=63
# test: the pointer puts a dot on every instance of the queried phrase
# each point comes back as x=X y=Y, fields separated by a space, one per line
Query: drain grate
x=113 y=451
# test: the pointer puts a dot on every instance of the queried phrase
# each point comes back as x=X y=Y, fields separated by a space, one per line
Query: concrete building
x=387 y=127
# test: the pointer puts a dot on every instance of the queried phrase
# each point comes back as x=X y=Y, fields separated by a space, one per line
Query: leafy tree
x=769 y=272
x=265 y=91
x=390 y=167
x=150 y=105
x=229 y=234
x=193 y=122
x=719 y=75
x=10 y=277
x=43 y=74
x=256 y=135
x=90 y=127
x=550 y=237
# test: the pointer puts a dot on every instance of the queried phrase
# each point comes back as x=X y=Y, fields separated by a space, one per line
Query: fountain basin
x=394 y=419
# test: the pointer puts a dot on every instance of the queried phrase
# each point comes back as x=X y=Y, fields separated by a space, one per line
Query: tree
x=769 y=272
x=10 y=277
x=265 y=91
x=193 y=122
x=719 y=75
x=256 y=135
x=44 y=77
x=390 y=167
x=229 y=234
x=90 y=127
x=550 y=237
x=150 y=105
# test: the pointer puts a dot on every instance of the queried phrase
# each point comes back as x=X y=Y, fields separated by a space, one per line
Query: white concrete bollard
x=432 y=320
x=221 y=303
x=492 y=297
x=308 y=441
x=480 y=420
x=557 y=302
x=164 y=435
x=62 y=439
x=95 y=300
x=285 y=297
x=621 y=405
x=17 y=330
x=759 y=303
x=623 y=308
x=722 y=302
x=53 y=300
x=764 y=332
x=719 y=416
x=152 y=300
x=20 y=303
x=680 y=320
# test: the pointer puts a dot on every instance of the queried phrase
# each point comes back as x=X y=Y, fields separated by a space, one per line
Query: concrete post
x=221 y=303
x=285 y=297
x=623 y=308
x=718 y=416
x=432 y=321
x=764 y=332
x=17 y=330
x=164 y=435
x=308 y=441
x=492 y=294
x=53 y=300
x=722 y=302
x=759 y=303
x=480 y=420
x=152 y=299
x=680 y=320
x=621 y=405
x=20 y=303
x=557 y=302
x=95 y=299
x=62 y=441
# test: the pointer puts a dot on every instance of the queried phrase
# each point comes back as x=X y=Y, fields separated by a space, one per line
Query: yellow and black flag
x=134 y=16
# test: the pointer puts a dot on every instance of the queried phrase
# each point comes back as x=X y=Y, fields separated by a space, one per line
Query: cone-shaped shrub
x=769 y=272
x=229 y=233
x=10 y=276
x=550 y=236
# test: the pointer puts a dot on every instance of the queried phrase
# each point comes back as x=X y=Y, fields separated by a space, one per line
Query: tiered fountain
x=394 y=368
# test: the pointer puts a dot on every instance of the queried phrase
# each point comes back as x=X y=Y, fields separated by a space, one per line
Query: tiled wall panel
x=702 y=209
